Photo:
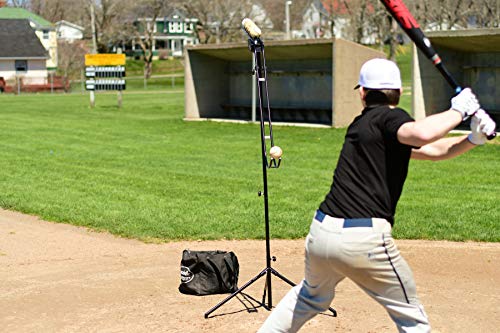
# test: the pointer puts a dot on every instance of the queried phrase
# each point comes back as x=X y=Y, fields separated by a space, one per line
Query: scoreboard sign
x=104 y=59
x=105 y=72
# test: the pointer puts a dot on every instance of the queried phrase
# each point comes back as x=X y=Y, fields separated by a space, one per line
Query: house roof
x=337 y=7
x=19 y=41
x=21 y=13
x=69 y=24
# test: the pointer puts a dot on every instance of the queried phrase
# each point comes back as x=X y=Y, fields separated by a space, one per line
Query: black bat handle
x=447 y=75
x=456 y=87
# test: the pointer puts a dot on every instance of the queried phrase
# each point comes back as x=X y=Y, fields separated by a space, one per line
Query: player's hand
x=481 y=127
x=466 y=103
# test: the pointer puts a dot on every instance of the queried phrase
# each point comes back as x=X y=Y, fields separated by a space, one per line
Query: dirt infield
x=59 y=278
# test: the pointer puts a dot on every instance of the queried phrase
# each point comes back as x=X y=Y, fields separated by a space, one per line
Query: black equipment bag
x=209 y=272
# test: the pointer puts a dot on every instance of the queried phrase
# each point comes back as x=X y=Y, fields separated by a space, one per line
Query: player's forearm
x=443 y=149
x=429 y=129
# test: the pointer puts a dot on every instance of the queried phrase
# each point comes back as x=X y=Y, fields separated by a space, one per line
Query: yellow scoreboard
x=105 y=59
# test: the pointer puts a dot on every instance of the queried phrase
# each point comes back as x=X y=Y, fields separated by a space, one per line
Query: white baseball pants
x=367 y=256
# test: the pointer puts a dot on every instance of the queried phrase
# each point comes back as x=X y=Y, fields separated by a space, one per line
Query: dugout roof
x=474 y=40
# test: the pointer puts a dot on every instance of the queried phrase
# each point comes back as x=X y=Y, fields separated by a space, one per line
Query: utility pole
x=498 y=14
x=94 y=46
x=217 y=32
x=287 y=15
x=92 y=25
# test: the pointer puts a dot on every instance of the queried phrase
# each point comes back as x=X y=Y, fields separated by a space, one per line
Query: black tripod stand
x=256 y=46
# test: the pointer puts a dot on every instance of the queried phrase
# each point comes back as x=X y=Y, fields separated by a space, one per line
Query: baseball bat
x=407 y=22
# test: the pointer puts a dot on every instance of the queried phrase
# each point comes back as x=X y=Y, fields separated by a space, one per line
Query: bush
x=163 y=54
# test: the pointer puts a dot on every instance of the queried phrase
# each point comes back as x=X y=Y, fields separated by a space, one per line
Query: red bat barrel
x=402 y=15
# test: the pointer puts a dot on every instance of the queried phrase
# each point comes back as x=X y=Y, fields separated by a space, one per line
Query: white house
x=45 y=31
x=22 y=55
x=331 y=18
x=68 y=31
x=172 y=33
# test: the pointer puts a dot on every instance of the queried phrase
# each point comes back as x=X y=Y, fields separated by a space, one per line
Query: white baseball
x=275 y=152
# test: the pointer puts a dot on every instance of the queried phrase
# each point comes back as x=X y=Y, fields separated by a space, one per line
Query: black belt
x=348 y=223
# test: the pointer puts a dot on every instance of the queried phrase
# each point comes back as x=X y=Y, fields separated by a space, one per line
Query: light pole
x=92 y=26
x=287 y=15
x=216 y=25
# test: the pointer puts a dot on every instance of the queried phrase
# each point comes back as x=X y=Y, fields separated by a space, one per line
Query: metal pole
x=287 y=15
x=259 y=71
x=217 y=31
x=92 y=25
x=94 y=47
x=254 y=92
x=120 y=98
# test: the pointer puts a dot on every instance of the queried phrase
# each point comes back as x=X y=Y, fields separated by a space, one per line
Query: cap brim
x=357 y=86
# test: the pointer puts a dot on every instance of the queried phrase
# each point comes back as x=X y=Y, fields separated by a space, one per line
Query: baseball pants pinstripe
x=367 y=256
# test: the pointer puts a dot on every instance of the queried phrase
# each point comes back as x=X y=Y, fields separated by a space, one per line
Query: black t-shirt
x=372 y=167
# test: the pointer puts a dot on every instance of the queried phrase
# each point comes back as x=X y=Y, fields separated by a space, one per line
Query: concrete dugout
x=309 y=81
x=473 y=58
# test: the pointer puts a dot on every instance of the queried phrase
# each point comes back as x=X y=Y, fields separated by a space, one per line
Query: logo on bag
x=186 y=274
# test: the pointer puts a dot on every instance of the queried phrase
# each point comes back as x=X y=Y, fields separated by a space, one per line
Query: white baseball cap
x=379 y=73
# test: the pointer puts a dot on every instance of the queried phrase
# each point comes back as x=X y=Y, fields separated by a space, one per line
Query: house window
x=139 y=26
x=21 y=65
x=180 y=27
x=175 y=27
x=45 y=34
x=160 y=27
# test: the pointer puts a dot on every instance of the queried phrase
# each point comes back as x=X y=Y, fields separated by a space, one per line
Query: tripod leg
x=261 y=274
x=275 y=272
x=264 y=294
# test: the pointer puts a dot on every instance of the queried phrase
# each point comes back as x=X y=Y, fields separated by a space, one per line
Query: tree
x=146 y=13
x=55 y=10
x=110 y=22
x=20 y=3
x=275 y=11
x=442 y=14
x=219 y=20
x=71 y=58
x=486 y=13
x=109 y=16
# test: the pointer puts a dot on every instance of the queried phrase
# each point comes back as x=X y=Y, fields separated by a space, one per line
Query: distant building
x=332 y=18
x=172 y=34
x=69 y=32
x=317 y=20
x=22 y=55
x=45 y=31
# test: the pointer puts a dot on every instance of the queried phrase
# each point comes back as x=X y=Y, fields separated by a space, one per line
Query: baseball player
x=350 y=235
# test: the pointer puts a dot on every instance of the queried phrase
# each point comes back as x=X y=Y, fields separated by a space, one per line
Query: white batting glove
x=466 y=103
x=481 y=126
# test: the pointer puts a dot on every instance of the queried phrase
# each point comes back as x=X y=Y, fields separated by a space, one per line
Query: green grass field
x=162 y=75
x=142 y=172
x=170 y=66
